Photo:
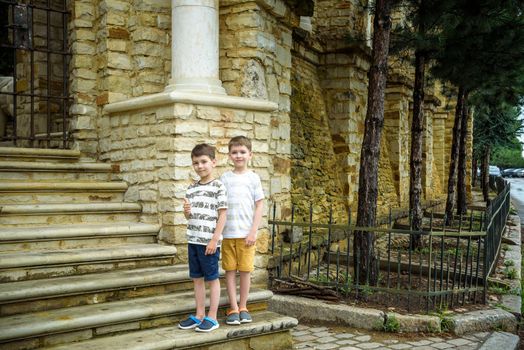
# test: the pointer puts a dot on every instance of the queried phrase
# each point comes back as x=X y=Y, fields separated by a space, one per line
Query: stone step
x=267 y=331
x=43 y=214
x=27 y=192
x=38 y=329
x=76 y=236
x=50 y=155
x=54 y=293
x=19 y=266
x=36 y=171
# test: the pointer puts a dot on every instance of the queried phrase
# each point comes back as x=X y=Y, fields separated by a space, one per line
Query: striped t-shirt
x=205 y=200
x=243 y=190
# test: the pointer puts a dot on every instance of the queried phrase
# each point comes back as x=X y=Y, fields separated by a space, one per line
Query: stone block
x=416 y=323
x=484 y=320
x=119 y=61
x=315 y=310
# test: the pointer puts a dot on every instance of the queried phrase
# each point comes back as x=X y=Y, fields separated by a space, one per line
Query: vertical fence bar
x=429 y=261
x=348 y=260
x=273 y=228
x=389 y=250
x=329 y=240
x=310 y=238
x=291 y=236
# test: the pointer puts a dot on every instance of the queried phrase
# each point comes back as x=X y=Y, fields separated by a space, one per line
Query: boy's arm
x=257 y=218
x=187 y=208
x=211 y=247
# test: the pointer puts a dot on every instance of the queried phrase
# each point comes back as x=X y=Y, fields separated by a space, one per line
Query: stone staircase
x=79 y=271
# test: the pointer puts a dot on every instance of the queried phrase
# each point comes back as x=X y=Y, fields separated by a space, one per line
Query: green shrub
x=392 y=325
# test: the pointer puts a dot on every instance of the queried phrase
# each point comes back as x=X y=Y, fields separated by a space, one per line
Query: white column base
x=202 y=85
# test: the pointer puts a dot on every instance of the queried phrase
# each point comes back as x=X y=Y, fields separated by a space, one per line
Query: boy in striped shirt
x=205 y=208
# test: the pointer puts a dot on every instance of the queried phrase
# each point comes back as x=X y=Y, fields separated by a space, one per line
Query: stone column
x=194 y=48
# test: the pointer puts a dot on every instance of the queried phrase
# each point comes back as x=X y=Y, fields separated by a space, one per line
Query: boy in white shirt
x=245 y=205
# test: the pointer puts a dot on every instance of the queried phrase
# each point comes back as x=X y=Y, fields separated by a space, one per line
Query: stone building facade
x=150 y=79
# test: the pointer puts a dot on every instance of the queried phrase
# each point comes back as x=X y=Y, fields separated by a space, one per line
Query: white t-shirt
x=206 y=200
x=243 y=190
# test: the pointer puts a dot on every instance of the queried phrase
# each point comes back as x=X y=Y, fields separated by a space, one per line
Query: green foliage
x=392 y=325
x=507 y=157
x=446 y=324
x=510 y=273
x=499 y=290
x=509 y=263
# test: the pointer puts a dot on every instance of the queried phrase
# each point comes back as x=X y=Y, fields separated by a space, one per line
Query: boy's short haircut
x=203 y=149
x=239 y=141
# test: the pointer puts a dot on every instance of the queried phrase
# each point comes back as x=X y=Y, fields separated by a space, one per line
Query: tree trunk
x=474 y=165
x=364 y=242
x=417 y=136
x=485 y=173
x=450 y=201
x=462 y=205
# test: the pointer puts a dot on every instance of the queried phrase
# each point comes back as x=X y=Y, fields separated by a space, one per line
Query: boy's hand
x=187 y=207
x=251 y=239
x=211 y=247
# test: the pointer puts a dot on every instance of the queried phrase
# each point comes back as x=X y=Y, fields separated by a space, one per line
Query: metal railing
x=315 y=258
x=34 y=73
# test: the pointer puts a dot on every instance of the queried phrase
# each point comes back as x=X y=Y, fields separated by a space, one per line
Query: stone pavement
x=308 y=337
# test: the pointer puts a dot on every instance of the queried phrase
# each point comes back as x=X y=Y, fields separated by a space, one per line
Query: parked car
x=494 y=170
x=510 y=172
x=519 y=173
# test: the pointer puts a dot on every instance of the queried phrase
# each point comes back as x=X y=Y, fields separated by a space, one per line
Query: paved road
x=309 y=337
x=517 y=195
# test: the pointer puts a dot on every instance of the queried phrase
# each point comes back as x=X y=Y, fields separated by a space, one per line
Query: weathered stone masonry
x=302 y=99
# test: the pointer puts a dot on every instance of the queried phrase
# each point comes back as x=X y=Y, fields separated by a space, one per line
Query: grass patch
x=392 y=325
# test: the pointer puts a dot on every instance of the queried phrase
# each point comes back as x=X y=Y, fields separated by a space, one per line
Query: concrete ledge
x=315 y=310
x=74 y=285
x=67 y=186
x=31 y=209
x=38 y=259
x=39 y=152
x=59 y=232
x=168 y=97
x=501 y=341
x=105 y=314
x=483 y=320
x=71 y=167
x=264 y=323
x=416 y=323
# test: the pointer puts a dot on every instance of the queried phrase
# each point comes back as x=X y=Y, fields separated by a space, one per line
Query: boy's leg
x=214 y=298
x=231 y=286
x=229 y=264
x=200 y=297
x=245 y=284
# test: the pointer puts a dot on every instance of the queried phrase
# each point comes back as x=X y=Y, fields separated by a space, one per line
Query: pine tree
x=483 y=47
x=364 y=242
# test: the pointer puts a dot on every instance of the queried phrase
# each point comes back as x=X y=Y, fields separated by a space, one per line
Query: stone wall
x=153 y=146
x=121 y=49
x=315 y=168
x=255 y=62
x=396 y=135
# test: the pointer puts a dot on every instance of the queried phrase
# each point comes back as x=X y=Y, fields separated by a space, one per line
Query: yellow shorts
x=236 y=255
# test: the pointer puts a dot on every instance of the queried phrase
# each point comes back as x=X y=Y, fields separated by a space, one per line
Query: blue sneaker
x=207 y=325
x=189 y=323
x=232 y=317
x=245 y=317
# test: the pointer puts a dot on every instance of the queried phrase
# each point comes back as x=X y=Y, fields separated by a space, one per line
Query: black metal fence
x=34 y=73
x=315 y=257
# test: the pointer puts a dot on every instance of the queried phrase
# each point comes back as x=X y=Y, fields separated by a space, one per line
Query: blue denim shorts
x=202 y=265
